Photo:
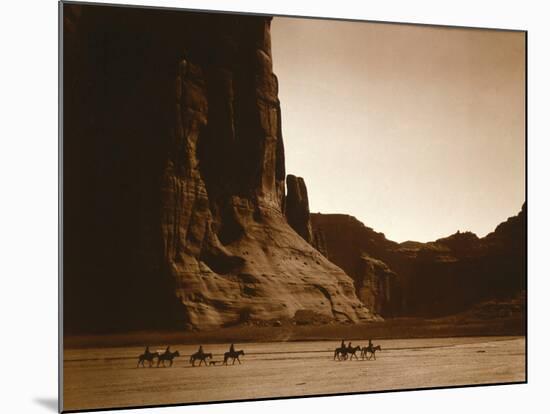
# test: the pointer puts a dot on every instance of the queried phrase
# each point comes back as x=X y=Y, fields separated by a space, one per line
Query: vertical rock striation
x=297 y=207
x=177 y=189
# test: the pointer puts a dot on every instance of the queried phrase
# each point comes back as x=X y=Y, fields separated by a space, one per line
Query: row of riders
x=200 y=356
x=344 y=352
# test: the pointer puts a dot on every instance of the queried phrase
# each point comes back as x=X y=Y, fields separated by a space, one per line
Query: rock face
x=176 y=196
x=375 y=284
x=297 y=207
x=443 y=277
x=361 y=252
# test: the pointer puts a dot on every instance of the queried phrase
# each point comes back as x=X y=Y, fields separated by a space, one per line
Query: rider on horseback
x=232 y=348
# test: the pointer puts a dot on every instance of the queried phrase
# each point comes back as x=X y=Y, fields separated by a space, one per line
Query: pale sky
x=416 y=131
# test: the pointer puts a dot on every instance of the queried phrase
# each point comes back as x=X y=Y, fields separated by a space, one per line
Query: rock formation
x=361 y=252
x=174 y=204
x=297 y=207
x=375 y=284
x=437 y=278
x=175 y=178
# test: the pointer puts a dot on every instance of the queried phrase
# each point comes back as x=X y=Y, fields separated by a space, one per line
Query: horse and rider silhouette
x=370 y=349
x=200 y=356
x=232 y=354
x=147 y=356
x=167 y=356
x=150 y=356
x=344 y=352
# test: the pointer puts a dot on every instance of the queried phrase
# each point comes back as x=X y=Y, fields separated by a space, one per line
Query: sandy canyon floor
x=108 y=377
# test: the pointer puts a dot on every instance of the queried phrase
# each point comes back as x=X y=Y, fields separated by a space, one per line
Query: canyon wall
x=174 y=184
x=177 y=209
x=443 y=277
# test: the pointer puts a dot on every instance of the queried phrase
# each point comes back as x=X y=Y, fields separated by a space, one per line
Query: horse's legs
x=239 y=360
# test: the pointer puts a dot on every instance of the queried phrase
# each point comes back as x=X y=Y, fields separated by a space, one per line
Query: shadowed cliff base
x=509 y=321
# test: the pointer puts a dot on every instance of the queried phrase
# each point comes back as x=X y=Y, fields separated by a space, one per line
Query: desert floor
x=108 y=377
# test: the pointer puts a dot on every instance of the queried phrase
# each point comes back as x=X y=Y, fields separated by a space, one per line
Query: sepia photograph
x=264 y=206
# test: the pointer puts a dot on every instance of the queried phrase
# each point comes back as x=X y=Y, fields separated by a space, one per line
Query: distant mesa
x=437 y=278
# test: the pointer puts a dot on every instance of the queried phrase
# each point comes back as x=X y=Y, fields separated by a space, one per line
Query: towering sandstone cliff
x=175 y=178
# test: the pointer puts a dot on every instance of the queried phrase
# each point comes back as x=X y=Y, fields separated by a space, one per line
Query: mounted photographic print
x=258 y=207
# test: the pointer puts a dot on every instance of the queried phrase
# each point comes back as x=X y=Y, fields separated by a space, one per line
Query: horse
x=167 y=356
x=234 y=355
x=147 y=356
x=201 y=356
x=351 y=350
x=341 y=353
x=372 y=349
